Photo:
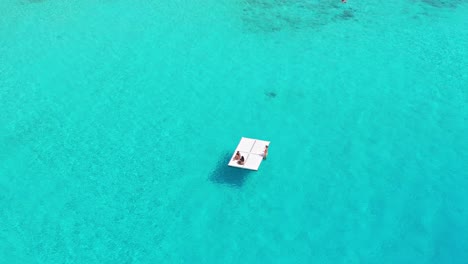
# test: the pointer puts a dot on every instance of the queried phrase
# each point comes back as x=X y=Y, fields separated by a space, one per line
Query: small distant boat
x=252 y=151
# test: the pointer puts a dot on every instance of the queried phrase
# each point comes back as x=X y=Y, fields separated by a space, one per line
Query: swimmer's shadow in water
x=224 y=174
x=271 y=94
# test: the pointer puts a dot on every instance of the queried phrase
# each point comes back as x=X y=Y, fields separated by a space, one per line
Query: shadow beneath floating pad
x=224 y=174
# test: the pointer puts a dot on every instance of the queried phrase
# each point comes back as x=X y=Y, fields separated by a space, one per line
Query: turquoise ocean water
x=118 y=117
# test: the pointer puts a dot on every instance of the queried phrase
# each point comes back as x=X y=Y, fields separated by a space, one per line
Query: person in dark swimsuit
x=241 y=161
x=265 y=152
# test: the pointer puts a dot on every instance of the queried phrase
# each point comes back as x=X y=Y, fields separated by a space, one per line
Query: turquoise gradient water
x=117 y=120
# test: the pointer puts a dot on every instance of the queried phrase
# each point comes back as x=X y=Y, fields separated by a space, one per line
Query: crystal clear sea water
x=118 y=117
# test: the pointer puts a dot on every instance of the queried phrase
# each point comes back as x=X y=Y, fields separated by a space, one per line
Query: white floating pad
x=252 y=150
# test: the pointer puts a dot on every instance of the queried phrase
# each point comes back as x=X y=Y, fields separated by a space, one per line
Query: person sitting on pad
x=237 y=156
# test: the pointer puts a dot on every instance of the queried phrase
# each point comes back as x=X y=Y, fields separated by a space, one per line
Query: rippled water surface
x=118 y=117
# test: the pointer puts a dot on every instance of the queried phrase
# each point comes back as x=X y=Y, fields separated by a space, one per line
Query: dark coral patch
x=269 y=16
x=444 y=3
